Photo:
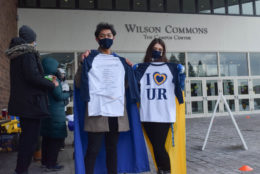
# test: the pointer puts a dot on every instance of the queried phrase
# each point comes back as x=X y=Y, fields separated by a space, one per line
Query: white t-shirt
x=157 y=94
x=106 y=86
x=65 y=86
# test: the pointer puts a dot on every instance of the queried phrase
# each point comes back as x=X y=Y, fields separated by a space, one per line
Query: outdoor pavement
x=224 y=153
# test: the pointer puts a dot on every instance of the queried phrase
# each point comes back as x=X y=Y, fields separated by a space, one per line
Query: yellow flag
x=177 y=153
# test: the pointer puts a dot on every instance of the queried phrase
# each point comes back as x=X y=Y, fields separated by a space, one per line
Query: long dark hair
x=148 y=54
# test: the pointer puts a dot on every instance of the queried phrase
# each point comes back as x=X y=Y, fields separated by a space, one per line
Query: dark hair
x=16 y=41
x=103 y=26
x=148 y=54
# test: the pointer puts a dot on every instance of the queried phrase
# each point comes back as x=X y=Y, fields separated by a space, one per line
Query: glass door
x=229 y=93
x=237 y=93
x=201 y=96
x=243 y=95
x=212 y=91
x=255 y=94
x=196 y=93
x=201 y=84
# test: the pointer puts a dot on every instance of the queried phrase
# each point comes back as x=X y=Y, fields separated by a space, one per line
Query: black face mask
x=105 y=43
x=58 y=75
x=156 y=54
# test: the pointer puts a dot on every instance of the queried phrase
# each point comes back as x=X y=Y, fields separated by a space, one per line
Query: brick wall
x=8 y=29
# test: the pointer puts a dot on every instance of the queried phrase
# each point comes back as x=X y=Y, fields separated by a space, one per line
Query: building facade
x=8 y=29
x=216 y=41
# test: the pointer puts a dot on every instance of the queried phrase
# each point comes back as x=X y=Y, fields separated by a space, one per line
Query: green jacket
x=55 y=125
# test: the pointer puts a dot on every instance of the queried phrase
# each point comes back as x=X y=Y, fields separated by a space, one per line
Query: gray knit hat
x=27 y=34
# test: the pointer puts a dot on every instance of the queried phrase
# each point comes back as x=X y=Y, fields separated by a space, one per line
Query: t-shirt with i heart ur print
x=157 y=94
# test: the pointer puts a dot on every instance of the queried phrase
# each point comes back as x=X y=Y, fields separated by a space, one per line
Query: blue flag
x=131 y=149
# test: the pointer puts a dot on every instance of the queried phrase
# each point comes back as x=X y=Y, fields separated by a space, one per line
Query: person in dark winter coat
x=28 y=98
x=53 y=129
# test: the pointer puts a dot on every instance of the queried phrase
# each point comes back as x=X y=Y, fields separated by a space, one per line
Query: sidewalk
x=8 y=161
x=224 y=152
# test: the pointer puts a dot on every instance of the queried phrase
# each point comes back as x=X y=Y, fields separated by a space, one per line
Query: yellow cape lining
x=177 y=154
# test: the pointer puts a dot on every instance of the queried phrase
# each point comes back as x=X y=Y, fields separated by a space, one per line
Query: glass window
x=233 y=7
x=256 y=86
x=173 y=6
x=83 y=4
x=197 y=107
x=257 y=103
x=219 y=7
x=212 y=88
x=202 y=64
x=212 y=105
x=196 y=88
x=228 y=87
x=189 y=6
x=156 y=5
x=247 y=7
x=204 y=6
x=242 y=86
x=140 y=5
x=255 y=63
x=28 y=3
x=178 y=58
x=67 y=3
x=66 y=61
x=233 y=64
x=257 y=6
x=123 y=4
x=133 y=57
x=104 y=4
x=47 y=3
x=244 y=104
x=231 y=104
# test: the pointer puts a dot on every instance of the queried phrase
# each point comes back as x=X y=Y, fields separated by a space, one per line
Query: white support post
x=211 y=122
x=235 y=123
x=221 y=96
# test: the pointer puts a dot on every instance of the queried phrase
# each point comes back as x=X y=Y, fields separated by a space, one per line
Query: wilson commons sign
x=167 y=32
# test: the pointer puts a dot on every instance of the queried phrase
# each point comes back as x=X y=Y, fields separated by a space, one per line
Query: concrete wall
x=73 y=30
x=8 y=29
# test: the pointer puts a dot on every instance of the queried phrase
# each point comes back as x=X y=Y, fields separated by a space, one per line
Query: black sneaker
x=54 y=168
x=163 y=172
x=21 y=173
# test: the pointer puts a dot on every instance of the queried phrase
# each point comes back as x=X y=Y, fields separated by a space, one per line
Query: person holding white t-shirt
x=102 y=79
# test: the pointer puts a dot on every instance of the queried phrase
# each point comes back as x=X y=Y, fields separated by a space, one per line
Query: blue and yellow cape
x=177 y=153
x=177 y=149
x=131 y=149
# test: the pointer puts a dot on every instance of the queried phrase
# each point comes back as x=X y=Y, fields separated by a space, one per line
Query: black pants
x=27 y=143
x=50 y=150
x=94 y=145
x=157 y=133
x=38 y=145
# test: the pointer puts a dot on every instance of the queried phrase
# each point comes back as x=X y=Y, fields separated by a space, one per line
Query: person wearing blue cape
x=108 y=134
